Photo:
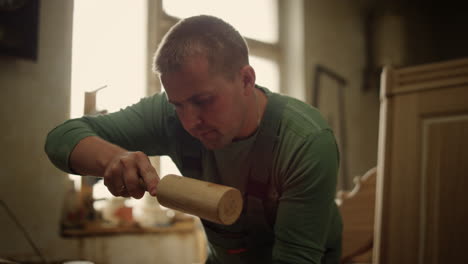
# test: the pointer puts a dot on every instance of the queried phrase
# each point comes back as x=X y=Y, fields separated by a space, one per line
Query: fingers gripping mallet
x=213 y=202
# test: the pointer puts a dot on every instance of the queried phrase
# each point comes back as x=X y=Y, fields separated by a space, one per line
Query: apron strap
x=261 y=212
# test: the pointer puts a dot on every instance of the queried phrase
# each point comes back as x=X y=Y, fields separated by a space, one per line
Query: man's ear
x=248 y=79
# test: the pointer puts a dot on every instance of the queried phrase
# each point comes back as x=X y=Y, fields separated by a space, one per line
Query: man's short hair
x=206 y=36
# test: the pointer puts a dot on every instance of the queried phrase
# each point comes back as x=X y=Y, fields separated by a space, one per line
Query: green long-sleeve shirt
x=304 y=171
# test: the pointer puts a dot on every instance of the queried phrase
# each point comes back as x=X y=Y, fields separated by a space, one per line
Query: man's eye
x=203 y=101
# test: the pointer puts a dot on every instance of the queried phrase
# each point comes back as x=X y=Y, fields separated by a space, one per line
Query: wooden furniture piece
x=422 y=172
x=357 y=209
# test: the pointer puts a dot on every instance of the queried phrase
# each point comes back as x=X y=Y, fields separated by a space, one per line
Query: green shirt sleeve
x=140 y=127
x=307 y=216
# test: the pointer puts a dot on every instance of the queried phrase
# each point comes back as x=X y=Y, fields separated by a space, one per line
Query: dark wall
x=434 y=30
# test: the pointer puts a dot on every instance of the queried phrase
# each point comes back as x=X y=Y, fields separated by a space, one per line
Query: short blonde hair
x=207 y=36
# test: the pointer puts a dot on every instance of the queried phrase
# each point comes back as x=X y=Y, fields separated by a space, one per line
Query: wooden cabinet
x=422 y=172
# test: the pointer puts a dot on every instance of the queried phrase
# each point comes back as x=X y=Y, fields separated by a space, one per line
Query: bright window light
x=267 y=73
x=109 y=48
x=257 y=19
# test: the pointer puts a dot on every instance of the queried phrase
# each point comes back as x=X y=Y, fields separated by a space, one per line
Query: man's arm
x=307 y=218
x=110 y=146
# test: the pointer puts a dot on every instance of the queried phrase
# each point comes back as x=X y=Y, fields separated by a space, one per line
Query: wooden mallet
x=213 y=202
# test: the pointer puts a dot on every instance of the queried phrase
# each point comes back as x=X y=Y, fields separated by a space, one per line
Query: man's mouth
x=209 y=134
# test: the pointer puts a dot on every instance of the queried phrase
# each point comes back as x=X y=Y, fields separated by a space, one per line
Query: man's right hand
x=125 y=173
x=131 y=174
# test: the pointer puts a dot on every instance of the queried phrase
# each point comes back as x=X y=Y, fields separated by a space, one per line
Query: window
x=267 y=72
x=240 y=14
x=108 y=50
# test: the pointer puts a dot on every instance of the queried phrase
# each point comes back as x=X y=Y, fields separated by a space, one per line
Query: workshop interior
x=390 y=77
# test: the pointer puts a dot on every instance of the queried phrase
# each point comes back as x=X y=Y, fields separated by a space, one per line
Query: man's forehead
x=180 y=87
x=189 y=97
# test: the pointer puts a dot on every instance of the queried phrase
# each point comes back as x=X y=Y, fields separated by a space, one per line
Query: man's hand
x=125 y=173
x=131 y=174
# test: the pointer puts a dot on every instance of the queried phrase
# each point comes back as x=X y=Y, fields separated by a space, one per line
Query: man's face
x=211 y=107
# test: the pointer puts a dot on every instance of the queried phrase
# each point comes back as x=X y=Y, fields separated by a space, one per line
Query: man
x=217 y=125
